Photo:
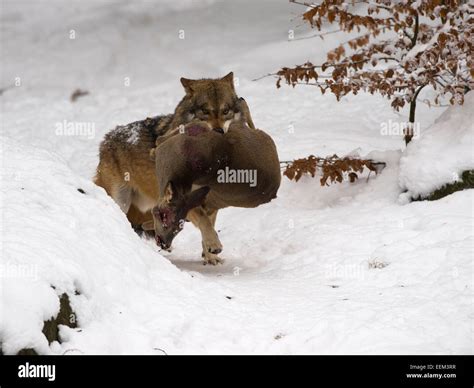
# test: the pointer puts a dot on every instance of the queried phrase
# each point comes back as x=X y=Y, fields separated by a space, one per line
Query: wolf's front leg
x=211 y=246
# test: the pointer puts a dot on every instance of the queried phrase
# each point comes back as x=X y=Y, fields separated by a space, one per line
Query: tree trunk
x=409 y=130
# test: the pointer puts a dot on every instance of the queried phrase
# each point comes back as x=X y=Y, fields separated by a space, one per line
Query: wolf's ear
x=170 y=191
x=197 y=197
x=229 y=78
x=187 y=84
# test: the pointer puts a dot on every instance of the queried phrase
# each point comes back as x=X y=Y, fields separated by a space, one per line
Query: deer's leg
x=211 y=245
x=246 y=112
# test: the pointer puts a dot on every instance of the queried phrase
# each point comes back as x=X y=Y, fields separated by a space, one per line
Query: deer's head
x=170 y=215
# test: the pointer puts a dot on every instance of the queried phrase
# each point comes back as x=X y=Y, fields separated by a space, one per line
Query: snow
x=428 y=163
x=129 y=132
x=324 y=270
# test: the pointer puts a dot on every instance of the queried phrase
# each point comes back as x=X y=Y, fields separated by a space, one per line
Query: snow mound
x=59 y=239
x=442 y=153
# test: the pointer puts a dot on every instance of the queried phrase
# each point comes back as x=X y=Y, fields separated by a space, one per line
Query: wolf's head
x=211 y=100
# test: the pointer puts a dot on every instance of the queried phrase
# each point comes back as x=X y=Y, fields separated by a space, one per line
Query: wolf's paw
x=214 y=251
x=210 y=249
x=213 y=246
x=212 y=259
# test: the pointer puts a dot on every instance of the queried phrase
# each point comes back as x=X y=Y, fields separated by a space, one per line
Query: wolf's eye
x=226 y=111
x=204 y=111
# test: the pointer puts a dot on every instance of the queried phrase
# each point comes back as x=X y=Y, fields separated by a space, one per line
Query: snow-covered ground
x=343 y=269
